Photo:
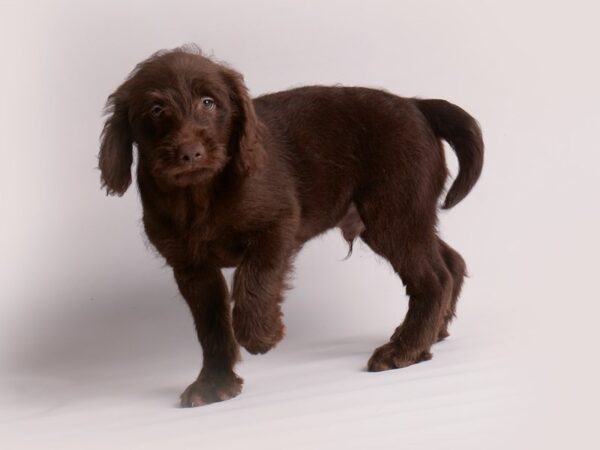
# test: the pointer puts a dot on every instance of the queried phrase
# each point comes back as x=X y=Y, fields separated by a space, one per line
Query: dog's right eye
x=156 y=110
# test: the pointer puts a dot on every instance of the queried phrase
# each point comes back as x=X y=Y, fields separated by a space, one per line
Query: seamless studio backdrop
x=95 y=342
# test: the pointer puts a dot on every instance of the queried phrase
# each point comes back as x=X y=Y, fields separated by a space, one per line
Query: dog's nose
x=191 y=152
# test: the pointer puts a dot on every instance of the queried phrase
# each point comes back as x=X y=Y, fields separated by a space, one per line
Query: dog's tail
x=461 y=131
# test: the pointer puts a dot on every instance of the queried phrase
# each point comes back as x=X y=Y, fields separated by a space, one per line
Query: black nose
x=191 y=152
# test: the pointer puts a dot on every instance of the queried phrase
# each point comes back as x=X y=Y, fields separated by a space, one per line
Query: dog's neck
x=190 y=206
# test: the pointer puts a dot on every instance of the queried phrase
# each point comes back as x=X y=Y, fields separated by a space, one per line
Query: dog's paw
x=258 y=333
x=211 y=388
x=393 y=356
x=443 y=334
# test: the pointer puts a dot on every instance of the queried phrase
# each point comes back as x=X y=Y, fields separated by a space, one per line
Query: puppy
x=228 y=181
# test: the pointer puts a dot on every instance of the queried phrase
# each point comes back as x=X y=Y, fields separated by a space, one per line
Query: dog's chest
x=216 y=239
x=223 y=250
x=190 y=232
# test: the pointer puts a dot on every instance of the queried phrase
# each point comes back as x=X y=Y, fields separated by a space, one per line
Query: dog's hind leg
x=458 y=269
x=407 y=239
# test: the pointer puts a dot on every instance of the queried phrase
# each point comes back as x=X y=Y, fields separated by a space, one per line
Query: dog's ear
x=116 y=154
x=247 y=132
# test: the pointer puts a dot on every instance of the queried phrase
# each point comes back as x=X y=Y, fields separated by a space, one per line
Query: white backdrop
x=95 y=342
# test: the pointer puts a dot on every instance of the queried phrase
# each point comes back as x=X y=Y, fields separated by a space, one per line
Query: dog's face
x=189 y=118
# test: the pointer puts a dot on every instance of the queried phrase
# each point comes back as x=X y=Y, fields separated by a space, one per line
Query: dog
x=230 y=181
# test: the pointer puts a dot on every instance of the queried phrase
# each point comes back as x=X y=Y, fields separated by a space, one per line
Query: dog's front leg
x=205 y=292
x=258 y=288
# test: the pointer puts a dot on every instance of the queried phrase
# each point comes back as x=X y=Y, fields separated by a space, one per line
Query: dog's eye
x=156 y=110
x=207 y=102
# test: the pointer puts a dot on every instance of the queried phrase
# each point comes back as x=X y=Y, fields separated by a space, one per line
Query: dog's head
x=189 y=118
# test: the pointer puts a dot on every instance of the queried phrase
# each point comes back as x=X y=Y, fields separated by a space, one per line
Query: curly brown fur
x=227 y=181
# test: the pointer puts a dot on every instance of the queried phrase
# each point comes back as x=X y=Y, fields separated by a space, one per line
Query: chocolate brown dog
x=227 y=181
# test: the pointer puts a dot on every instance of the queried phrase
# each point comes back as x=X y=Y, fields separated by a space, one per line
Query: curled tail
x=461 y=131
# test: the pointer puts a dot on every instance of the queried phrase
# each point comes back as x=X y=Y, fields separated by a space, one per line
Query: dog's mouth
x=188 y=175
x=179 y=172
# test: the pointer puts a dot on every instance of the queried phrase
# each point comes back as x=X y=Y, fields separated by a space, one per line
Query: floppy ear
x=116 y=156
x=247 y=133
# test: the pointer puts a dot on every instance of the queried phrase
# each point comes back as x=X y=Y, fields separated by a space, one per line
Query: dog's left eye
x=156 y=110
x=208 y=102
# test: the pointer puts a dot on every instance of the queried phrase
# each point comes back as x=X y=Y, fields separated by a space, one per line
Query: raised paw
x=393 y=355
x=211 y=388
x=258 y=331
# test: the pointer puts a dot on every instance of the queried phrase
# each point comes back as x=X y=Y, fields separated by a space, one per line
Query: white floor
x=99 y=363
x=316 y=396
x=304 y=395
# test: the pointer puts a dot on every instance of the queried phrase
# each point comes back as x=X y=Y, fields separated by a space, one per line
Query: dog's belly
x=350 y=223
